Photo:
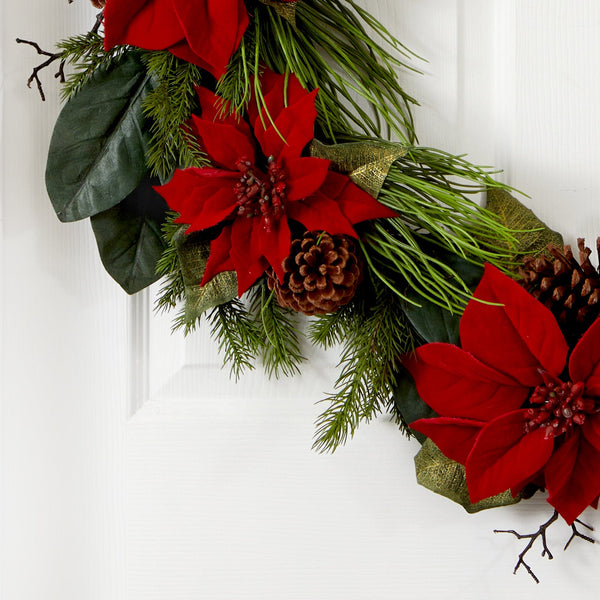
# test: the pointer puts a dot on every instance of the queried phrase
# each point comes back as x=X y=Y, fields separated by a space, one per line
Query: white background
x=133 y=469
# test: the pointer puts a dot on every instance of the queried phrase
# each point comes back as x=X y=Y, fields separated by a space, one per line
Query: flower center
x=259 y=196
x=561 y=406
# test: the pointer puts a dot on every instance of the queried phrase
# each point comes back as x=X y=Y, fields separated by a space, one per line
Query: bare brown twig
x=52 y=56
x=541 y=533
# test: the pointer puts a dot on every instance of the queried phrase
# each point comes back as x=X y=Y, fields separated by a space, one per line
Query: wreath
x=242 y=152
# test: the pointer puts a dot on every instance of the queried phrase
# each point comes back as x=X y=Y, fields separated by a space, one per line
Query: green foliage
x=168 y=107
x=430 y=191
x=331 y=49
x=280 y=347
x=173 y=290
x=237 y=335
x=86 y=53
x=97 y=152
x=129 y=238
x=374 y=333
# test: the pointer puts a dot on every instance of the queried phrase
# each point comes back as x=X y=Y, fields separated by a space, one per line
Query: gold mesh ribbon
x=286 y=10
x=366 y=163
x=533 y=235
x=193 y=256
x=438 y=473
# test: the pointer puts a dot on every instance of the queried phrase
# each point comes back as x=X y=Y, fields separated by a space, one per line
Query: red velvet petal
x=216 y=209
x=504 y=455
x=149 y=24
x=305 y=176
x=292 y=130
x=356 y=204
x=190 y=189
x=573 y=477
x=456 y=384
x=213 y=29
x=517 y=338
x=275 y=245
x=319 y=213
x=454 y=437
x=224 y=143
x=219 y=259
x=591 y=430
x=246 y=252
x=584 y=364
x=211 y=106
x=278 y=93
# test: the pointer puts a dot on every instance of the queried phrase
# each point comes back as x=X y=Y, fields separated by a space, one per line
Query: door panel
x=132 y=467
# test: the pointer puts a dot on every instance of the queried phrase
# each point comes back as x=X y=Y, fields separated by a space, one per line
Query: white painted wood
x=133 y=468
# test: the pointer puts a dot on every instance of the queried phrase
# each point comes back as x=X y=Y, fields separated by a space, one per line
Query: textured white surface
x=210 y=490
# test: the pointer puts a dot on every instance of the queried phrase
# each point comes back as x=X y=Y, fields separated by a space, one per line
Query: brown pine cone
x=321 y=274
x=99 y=3
x=570 y=289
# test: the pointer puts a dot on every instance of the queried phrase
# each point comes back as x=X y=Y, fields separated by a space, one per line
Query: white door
x=132 y=468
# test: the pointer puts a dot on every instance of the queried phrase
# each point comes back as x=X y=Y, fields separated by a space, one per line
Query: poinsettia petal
x=454 y=437
x=291 y=131
x=225 y=144
x=216 y=209
x=275 y=245
x=356 y=204
x=213 y=30
x=246 y=253
x=305 y=176
x=573 y=477
x=455 y=384
x=504 y=455
x=517 y=338
x=584 y=364
x=319 y=213
x=278 y=91
x=219 y=259
x=149 y=24
x=212 y=105
x=591 y=430
x=190 y=189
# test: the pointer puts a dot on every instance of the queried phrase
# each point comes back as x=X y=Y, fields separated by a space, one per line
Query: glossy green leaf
x=97 y=152
x=130 y=239
x=410 y=405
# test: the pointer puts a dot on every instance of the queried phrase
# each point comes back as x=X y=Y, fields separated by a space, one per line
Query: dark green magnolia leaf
x=432 y=322
x=438 y=473
x=97 y=152
x=532 y=234
x=130 y=239
x=410 y=405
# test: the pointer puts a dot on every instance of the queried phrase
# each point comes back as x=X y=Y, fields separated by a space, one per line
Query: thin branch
x=541 y=533
x=52 y=57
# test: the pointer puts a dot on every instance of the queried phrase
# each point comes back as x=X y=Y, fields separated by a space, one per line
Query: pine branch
x=169 y=106
x=374 y=337
x=237 y=335
x=280 y=345
x=86 y=54
x=430 y=191
x=173 y=290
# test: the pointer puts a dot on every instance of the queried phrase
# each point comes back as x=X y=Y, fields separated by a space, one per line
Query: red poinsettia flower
x=203 y=32
x=511 y=409
x=254 y=190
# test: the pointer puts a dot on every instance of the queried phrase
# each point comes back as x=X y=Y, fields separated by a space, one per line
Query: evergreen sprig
x=172 y=291
x=430 y=190
x=169 y=106
x=280 y=343
x=374 y=333
x=237 y=335
x=86 y=54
